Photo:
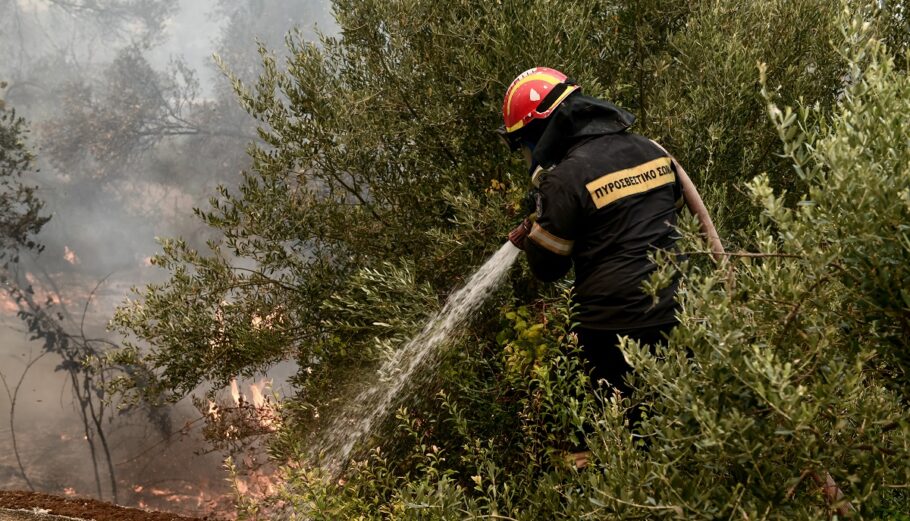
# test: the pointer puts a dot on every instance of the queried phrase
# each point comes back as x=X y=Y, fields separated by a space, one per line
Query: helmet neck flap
x=577 y=118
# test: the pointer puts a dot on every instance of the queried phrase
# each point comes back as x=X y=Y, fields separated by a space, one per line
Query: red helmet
x=534 y=94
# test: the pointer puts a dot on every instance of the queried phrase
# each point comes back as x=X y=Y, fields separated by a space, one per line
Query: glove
x=519 y=235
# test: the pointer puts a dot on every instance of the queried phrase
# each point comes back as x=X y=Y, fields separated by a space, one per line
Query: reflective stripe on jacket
x=605 y=205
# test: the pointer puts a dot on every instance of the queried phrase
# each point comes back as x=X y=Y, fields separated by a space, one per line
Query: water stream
x=423 y=350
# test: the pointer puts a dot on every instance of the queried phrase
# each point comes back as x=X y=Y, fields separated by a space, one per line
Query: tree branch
x=13 y=395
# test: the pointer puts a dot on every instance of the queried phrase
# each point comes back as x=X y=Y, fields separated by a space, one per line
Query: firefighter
x=605 y=199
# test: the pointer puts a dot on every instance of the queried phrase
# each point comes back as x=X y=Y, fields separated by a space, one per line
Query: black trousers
x=605 y=361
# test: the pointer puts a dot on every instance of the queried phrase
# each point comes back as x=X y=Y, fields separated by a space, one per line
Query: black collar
x=578 y=117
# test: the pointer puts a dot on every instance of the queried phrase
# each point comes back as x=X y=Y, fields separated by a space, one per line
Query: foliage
x=129 y=111
x=379 y=148
x=20 y=208
x=480 y=445
x=796 y=358
x=788 y=363
x=142 y=18
x=124 y=147
x=379 y=186
x=118 y=131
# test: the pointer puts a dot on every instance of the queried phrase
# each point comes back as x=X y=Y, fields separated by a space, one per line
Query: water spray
x=423 y=351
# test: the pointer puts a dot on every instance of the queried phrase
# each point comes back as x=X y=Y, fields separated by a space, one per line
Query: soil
x=82 y=508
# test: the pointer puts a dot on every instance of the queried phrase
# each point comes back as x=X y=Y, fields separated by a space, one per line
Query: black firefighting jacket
x=609 y=198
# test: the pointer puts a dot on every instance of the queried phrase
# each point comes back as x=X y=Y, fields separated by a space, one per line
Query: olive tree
x=380 y=185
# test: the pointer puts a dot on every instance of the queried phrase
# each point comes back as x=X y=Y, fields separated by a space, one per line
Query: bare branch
x=13 y=396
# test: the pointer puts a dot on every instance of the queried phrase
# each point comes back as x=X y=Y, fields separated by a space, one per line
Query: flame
x=191 y=495
x=213 y=410
x=40 y=295
x=268 y=321
x=257 y=482
x=70 y=256
x=7 y=305
x=266 y=411
x=250 y=411
x=256 y=390
x=198 y=492
x=235 y=392
x=242 y=487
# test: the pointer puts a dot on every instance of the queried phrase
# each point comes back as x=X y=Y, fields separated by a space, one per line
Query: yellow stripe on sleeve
x=549 y=241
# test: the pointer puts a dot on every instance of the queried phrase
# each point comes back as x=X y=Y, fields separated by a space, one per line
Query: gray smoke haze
x=132 y=125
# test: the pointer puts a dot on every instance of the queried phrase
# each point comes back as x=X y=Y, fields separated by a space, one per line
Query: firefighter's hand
x=519 y=235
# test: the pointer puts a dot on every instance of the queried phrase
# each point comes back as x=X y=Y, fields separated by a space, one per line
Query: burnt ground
x=81 y=508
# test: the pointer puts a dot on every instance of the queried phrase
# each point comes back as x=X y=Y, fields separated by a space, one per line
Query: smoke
x=132 y=126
